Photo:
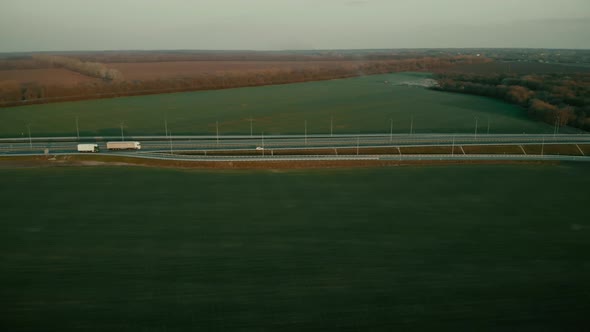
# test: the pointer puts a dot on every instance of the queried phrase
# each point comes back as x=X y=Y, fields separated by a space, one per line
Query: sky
x=62 y=25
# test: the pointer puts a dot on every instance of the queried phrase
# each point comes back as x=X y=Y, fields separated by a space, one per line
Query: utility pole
x=30 y=139
x=391 y=130
x=488 y=125
x=476 y=119
x=217 y=131
x=170 y=138
x=412 y=125
x=77 y=129
x=263 y=143
x=557 y=123
x=305 y=132
x=166 y=125
x=122 y=135
x=453 y=148
x=251 y=125
x=331 y=126
x=543 y=146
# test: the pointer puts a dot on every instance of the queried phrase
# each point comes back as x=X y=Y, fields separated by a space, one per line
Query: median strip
x=582 y=152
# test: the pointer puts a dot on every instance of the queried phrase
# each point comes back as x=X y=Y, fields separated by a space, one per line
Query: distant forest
x=112 y=83
x=551 y=85
x=555 y=98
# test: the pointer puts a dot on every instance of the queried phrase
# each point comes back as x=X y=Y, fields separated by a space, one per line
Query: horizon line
x=295 y=50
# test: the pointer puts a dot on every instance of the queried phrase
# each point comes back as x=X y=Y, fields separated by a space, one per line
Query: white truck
x=88 y=148
x=123 y=145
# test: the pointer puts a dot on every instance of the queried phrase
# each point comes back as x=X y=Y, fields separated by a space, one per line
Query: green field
x=357 y=105
x=407 y=248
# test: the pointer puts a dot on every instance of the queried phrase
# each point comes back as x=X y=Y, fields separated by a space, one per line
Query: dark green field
x=357 y=105
x=461 y=248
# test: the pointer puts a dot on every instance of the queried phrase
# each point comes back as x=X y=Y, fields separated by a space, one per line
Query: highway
x=160 y=147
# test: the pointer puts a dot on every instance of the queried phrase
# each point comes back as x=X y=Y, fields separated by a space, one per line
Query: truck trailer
x=88 y=148
x=123 y=145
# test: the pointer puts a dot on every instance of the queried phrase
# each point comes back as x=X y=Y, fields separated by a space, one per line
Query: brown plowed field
x=179 y=69
x=49 y=76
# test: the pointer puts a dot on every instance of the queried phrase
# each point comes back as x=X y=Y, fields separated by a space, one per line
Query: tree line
x=13 y=93
x=561 y=99
x=93 y=69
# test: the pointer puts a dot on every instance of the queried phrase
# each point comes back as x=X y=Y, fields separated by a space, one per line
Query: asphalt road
x=158 y=147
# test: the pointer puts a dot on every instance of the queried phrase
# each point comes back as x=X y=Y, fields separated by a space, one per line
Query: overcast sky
x=49 y=25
